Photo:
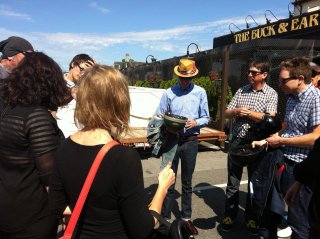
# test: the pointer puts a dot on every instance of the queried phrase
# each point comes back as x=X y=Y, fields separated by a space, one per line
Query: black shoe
x=227 y=224
x=193 y=230
x=252 y=227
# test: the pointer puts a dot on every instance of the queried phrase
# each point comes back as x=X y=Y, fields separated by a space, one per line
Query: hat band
x=186 y=72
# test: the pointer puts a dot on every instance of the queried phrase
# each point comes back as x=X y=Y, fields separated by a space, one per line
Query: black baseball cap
x=14 y=45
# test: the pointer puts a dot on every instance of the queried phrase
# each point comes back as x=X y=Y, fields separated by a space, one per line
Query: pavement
x=209 y=183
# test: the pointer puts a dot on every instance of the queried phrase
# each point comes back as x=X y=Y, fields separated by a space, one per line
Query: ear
x=265 y=75
x=301 y=79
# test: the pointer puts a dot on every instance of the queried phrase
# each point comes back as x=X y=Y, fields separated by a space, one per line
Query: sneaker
x=252 y=227
x=227 y=224
x=286 y=232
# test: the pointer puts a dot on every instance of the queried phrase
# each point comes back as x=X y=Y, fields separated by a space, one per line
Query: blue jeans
x=298 y=218
x=232 y=190
x=187 y=152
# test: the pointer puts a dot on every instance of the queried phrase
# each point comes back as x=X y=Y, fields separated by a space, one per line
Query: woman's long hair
x=37 y=81
x=103 y=100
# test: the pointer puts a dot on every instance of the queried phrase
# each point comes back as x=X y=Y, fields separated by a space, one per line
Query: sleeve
x=57 y=197
x=272 y=104
x=44 y=164
x=164 y=104
x=233 y=103
x=137 y=219
x=306 y=171
x=203 y=110
x=315 y=112
x=44 y=138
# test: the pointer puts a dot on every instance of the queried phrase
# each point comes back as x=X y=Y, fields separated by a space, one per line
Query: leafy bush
x=139 y=83
x=214 y=93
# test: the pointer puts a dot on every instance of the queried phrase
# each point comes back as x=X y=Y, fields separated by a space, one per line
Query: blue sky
x=107 y=30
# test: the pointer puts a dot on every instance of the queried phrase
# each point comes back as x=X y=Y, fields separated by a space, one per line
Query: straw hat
x=186 y=68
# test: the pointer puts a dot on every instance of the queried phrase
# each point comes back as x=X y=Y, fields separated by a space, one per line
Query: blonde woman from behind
x=116 y=206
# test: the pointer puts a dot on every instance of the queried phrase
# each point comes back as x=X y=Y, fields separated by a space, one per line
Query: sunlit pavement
x=209 y=182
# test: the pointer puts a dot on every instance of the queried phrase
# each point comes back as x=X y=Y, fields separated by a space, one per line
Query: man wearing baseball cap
x=188 y=100
x=13 y=51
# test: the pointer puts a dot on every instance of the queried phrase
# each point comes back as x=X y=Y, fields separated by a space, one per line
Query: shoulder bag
x=178 y=229
x=85 y=189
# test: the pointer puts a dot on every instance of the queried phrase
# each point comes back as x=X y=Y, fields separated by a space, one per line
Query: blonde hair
x=103 y=100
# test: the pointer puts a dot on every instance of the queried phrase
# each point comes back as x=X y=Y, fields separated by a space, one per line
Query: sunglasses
x=254 y=73
x=28 y=53
x=25 y=53
x=80 y=68
x=185 y=78
x=283 y=81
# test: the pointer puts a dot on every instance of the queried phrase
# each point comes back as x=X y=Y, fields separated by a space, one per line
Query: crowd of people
x=53 y=124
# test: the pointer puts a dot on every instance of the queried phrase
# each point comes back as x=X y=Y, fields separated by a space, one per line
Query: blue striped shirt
x=302 y=114
x=191 y=103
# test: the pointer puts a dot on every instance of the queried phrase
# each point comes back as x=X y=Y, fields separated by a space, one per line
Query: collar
x=250 y=89
x=302 y=95
x=190 y=87
x=70 y=83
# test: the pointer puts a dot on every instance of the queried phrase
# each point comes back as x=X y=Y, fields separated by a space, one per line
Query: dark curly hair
x=37 y=81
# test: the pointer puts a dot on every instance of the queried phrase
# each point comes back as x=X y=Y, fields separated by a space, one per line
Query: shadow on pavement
x=215 y=199
x=150 y=191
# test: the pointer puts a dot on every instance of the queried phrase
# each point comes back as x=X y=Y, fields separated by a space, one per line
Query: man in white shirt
x=65 y=114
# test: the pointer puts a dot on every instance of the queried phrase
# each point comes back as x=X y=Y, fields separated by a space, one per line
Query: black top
x=116 y=205
x=307 y=171
x=28 y=137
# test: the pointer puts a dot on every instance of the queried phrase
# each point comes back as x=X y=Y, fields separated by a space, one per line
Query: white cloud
x=5 y=11
x=108 y=47
x=103 y=10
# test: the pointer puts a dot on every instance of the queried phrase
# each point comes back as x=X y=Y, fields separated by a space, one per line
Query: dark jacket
x=163 y=140
x=307 y=172
x=266 y=184
x=154 y=133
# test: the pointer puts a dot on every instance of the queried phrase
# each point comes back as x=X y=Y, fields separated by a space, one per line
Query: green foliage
x=214 y=93
x=142 y=83
x=168 y=84
x=139 y=83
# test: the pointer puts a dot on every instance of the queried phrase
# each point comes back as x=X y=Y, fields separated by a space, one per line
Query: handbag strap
x=160 y=218
x=86 y=187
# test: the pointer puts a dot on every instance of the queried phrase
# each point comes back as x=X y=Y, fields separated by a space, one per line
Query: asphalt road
x=209 y=182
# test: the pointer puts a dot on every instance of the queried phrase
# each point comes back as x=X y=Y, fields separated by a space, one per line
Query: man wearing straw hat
x=188 y=100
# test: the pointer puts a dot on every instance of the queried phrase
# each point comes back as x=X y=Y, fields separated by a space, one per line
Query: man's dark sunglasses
x=283 y=81
x=254 y=73
x=27 y=53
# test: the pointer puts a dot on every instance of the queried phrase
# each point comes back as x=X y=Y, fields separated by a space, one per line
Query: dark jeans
x=269 y=225
x=298 y=218
x=232 y=190
x=44 y=228
x=314 y=233
x=187 y=152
